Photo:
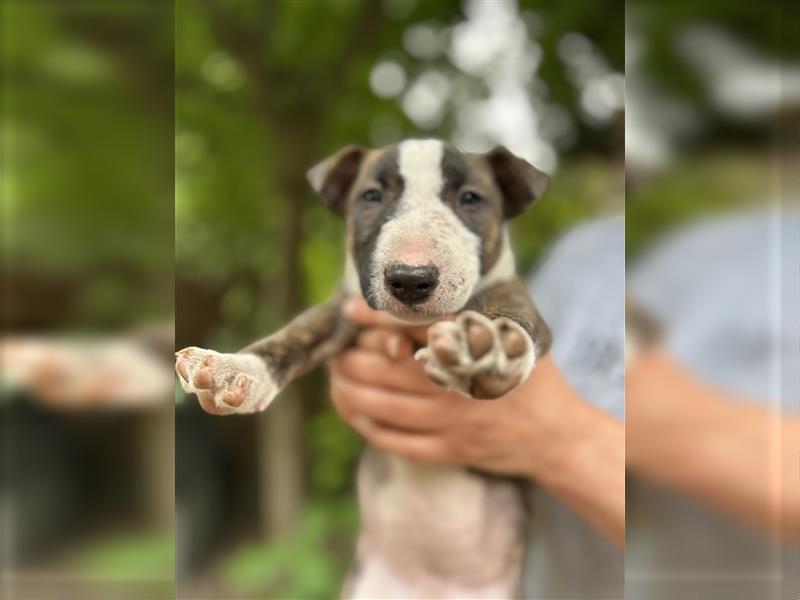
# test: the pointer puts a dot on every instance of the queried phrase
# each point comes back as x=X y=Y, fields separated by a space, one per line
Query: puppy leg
x=250 y=379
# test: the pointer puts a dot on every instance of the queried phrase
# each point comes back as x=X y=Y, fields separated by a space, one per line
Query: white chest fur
x=436 y=531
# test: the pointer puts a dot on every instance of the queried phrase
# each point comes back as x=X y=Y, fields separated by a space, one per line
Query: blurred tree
x=84 y=108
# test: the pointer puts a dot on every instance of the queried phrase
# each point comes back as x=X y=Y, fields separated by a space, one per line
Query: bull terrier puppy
x=426 y=238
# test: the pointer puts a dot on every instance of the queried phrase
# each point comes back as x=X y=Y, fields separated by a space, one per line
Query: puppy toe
x=203 y=379
x=181 y=368
x=489 y=385
x=208 y=404
x=513 y=342
x=238 y=392
x=445 y=351
x=479 y=338
x=234 y=397
x=423 y=355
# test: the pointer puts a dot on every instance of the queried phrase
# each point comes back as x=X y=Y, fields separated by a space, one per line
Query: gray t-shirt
x=727 y=292
x=579 y=290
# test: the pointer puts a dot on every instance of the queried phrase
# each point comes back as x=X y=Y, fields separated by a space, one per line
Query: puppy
x=426 y=237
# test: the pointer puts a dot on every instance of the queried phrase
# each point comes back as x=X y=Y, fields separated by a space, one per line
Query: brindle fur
x=306 y=342
x=320 y=333
x=511 y=299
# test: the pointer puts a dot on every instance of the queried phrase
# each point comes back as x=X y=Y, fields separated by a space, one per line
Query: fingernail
x=349 y=308
x=393 y=347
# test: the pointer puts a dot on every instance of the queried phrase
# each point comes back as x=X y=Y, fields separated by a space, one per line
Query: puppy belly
x=376 y=580
x=436 y=532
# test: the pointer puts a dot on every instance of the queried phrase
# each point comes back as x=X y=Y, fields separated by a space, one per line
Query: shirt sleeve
x=579 y=290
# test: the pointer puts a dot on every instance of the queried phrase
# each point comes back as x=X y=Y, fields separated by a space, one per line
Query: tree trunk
x=280 y=428
x=295 y=121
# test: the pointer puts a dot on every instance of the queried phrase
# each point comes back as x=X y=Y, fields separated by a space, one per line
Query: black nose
x=411 y=285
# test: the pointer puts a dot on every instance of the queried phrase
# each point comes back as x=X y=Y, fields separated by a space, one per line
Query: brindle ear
x=333 y=177
x=520 y=182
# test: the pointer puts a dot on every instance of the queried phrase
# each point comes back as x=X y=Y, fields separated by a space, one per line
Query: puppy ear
x=333 y=177
x=520 y=182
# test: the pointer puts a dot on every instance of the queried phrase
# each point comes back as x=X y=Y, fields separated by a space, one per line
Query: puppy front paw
x=477 y=356
x=225 y=383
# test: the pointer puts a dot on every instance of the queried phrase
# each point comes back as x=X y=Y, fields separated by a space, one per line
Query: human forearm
x=711 y=446
x=580 y=456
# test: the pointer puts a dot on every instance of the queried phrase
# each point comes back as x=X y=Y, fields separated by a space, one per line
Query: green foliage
x=768 y=26
x=129 y=558
x=579 y=192
x=309 y=563
x=334 y=450
x=86 y=146
x=701 y=185
x=322 y=253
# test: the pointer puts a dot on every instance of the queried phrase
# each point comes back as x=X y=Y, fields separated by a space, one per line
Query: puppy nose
x=411 y=285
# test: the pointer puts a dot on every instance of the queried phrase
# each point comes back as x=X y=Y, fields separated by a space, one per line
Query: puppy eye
x=372 y=195
x=468 y=198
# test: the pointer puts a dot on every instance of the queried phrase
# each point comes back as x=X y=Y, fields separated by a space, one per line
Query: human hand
x=383 y=393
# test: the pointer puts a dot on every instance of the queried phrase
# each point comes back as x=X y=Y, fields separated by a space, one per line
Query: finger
x=425 y=448
x=389 y=342
x=358 y=311
x=375 y=369
x=418 y=333
x=392 y=408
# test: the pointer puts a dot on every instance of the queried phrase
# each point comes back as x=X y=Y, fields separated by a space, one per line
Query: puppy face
x=425 y=222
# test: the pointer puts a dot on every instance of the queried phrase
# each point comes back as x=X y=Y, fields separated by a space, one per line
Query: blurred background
x=712 y=121
x=135 y=132
x=263 y=91
x=712 y=231
x=86 y=417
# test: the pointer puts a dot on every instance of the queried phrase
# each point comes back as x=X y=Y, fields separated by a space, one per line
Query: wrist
x=659 y=394
x=577 y=452
x=564 y=424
